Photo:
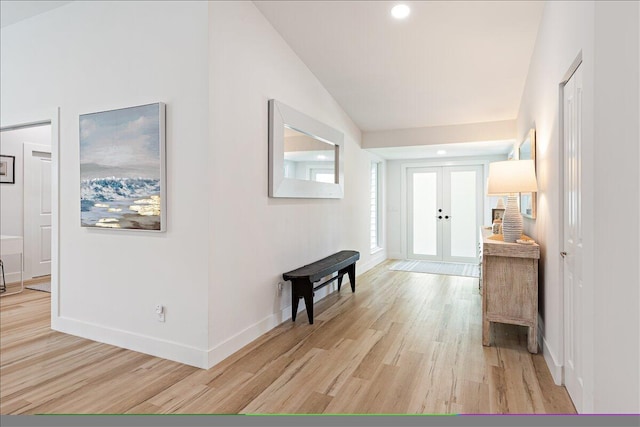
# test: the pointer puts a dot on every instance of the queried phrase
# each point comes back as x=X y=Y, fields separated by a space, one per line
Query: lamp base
x=512 y=220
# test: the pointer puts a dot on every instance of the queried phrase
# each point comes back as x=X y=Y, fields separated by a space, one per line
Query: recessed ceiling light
x=441 y=152
x=400 y=11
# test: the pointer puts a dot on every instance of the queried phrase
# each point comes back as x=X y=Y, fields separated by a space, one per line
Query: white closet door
x=572 y=232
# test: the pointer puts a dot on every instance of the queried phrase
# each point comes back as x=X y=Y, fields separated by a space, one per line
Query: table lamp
x=512 y=177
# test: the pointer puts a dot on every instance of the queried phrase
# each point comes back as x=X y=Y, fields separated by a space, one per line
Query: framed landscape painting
x=122 y=168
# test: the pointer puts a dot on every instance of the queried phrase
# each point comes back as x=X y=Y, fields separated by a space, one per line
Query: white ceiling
x=16 y=11
x=450 y=62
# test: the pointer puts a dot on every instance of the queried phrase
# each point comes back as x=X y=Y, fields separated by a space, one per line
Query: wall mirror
x=527 y=151
x=305 y=155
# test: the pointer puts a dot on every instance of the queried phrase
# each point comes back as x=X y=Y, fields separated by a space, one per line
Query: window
x=375 y=207
x=323 y=175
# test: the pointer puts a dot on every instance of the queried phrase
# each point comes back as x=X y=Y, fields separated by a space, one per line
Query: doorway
x=37 y=210
x=26 y=203
x=444 y=206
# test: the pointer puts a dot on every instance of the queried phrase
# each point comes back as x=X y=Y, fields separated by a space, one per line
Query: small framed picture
x=7 y=169
x=497 y=214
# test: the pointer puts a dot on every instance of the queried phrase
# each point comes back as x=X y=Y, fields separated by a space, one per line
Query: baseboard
x=550 y=358
x=225 y=349
x=137 y=342
x=375 y=259
x=12 y=278
x=392 y=255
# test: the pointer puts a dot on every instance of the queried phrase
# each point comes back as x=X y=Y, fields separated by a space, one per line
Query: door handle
x=563 y=253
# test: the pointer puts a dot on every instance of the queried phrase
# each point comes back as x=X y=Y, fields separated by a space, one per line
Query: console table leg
x=533 y=340
x=486 y=332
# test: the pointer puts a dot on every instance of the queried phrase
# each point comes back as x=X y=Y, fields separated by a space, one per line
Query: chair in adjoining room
x=3 y=285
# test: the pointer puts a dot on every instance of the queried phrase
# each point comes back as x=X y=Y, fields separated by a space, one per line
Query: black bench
x=303 y=278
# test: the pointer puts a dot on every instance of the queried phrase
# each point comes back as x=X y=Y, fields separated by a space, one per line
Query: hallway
x=404 y=343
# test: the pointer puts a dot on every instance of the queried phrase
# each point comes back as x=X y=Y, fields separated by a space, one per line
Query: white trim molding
x=137 y=342
x=556 y=368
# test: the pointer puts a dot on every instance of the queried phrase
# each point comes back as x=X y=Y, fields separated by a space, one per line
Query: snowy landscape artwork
x=122 y=168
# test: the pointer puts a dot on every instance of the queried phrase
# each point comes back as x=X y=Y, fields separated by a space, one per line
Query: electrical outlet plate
x=160 y=312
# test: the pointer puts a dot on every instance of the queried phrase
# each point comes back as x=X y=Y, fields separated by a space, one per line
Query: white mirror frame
x=279 y=186
x=531 y=139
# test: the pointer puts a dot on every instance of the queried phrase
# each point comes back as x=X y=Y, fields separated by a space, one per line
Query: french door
x=444 y=212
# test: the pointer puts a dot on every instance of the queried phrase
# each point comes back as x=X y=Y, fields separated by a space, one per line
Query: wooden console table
x=509 y=286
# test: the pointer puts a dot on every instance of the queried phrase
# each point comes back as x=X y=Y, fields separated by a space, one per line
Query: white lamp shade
x=511 y=176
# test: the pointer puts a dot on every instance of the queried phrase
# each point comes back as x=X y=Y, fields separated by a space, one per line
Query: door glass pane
x=425 y=238
x=463 y=214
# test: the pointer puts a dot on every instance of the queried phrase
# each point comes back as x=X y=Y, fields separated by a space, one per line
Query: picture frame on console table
x=497 y=214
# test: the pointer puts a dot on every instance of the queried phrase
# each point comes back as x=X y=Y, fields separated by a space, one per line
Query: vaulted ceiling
x=16 y=11
x=449 y=62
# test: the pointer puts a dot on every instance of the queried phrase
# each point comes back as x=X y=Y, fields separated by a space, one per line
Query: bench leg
x=340 y=274
x=308 y=301
x=302 y=288
x=295 y=298
x=352 y=276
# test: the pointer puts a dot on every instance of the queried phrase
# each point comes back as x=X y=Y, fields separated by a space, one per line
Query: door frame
x=27 y=153
x=404 y=211
x=587 y=403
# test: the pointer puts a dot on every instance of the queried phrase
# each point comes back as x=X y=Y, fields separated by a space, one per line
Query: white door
x=572 y=236
x=37 y=210
x=444 y=212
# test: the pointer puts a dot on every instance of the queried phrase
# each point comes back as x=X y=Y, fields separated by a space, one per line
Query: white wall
x=254 y=238
x=396 y=214
x=616 y=148
x=91 y=56
x=606 y=35
x=566 y=30
x=12 y=195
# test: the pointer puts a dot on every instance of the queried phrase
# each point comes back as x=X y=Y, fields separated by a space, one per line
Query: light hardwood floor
x=403 y=343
